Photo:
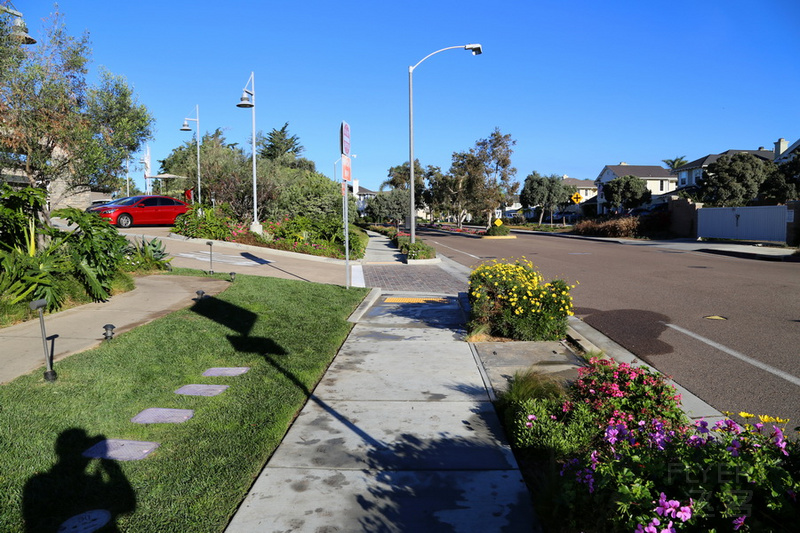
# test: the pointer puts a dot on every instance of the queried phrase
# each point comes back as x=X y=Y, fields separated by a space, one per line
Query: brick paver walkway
x=416 y=278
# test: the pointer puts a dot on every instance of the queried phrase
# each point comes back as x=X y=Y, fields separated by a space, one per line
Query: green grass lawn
x=286 y=331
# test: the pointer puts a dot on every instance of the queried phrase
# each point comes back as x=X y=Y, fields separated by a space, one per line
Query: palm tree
x=675 y=163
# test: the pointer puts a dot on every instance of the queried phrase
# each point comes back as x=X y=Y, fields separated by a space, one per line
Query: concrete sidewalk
x=399 y=435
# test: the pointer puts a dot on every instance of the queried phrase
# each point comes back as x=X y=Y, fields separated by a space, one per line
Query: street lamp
x=186 y=127
x=476 y=50
x=248 y=100
x=19 y=30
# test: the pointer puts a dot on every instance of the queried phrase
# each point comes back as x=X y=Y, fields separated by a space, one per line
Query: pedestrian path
x=399 y=435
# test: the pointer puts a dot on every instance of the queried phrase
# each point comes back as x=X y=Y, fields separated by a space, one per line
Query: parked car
x=125 y=212
x=99 y=202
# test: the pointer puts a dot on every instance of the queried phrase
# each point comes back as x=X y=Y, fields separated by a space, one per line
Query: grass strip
x=286 y=331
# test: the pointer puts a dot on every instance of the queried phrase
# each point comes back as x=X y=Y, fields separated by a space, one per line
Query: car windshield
x=130 y=200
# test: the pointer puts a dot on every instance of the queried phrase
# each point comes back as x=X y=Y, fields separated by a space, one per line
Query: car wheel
x=124 y=220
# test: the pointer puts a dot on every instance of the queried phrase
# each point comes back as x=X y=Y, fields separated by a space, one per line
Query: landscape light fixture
x=200 y=294
x=19 y=31
x=248 y=101
x=210 y=256
x=39 y=305
x=186 y=127
x=109 y=331
x=233 y=276
x=476 y=49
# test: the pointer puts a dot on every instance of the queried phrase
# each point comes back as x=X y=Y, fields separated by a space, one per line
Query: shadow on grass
x=89 y=493
x=242 y=321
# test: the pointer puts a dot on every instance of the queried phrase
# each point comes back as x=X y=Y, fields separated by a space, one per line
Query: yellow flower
x=745 y=414
x=766 y=419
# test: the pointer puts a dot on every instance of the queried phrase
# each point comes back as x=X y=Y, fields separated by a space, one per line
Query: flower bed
x=613 y=452
x=511 y=300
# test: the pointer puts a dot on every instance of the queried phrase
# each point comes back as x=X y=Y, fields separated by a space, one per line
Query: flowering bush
x=646 y=469
x=511 y=300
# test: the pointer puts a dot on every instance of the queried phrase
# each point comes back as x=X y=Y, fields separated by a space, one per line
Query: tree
x=547 y=192
x=495 y=154
x=733 y=181
x=392 y=206
x=58 y=127
x=672 y=164
x=463 y=189
x=626 y=191
x=783 y=185
x=279 y=143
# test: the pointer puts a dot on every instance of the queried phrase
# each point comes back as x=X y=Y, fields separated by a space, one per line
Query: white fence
x=766 y=223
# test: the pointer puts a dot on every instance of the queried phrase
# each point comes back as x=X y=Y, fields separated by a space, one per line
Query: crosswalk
x=244 y=260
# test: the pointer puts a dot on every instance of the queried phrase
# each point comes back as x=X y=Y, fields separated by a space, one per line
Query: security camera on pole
x=344 y=146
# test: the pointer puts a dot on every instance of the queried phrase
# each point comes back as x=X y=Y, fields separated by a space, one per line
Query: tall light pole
x=186 y=127
x=476 y=50
x=19 y=31
x=248 y=100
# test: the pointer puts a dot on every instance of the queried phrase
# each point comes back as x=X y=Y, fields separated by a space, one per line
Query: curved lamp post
x=248 y=100
x=476 y=50
x=186 y=127
x=19 y=31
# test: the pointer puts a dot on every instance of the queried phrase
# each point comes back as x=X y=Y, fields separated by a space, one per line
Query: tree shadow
x=636 y=330
x=266 y=262
x=89 y=493
x=446 y=483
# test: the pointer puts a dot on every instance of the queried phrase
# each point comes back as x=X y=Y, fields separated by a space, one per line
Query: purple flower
x=738 y=522
x=734 y=448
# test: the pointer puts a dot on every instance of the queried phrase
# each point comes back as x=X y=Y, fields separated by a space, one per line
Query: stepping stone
x=121 y=450
x=226 y=371
x=202 y=390
x=158 y=415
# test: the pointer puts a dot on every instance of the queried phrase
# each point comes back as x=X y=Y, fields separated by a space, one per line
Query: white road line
x=772 y=370
x=459 y=251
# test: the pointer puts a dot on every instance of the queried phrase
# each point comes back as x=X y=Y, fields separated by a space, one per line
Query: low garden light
x=39 y=305
x=233 y=276
x=108 y=332
x=210 y=256
x=200 y=294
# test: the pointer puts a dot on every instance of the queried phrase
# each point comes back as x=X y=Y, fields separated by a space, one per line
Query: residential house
x=362 y=194
x=586 y=188
x=659 y=180
x=783 y=152
x=690 y=173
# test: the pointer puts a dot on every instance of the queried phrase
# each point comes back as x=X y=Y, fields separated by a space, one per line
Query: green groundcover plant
x=511 y=299
x=621 y=456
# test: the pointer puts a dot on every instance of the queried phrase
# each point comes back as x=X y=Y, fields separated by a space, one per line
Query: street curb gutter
x=365 y=304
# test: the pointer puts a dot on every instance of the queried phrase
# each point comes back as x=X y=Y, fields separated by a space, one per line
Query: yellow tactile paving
x=399 y=300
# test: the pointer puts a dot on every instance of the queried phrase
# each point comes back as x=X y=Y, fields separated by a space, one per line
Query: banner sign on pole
x=346 y=173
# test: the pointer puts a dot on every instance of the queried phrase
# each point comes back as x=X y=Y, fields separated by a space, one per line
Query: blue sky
x=578 y=84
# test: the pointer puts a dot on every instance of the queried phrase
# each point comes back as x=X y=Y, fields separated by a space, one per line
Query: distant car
x=141 y=210
x=568 y=217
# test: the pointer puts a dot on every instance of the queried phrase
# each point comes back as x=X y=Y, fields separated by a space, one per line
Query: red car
x=139 y=210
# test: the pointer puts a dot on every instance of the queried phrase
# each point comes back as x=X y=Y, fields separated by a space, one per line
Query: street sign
x=577 y=198
x=344 y=139
x=346 y=174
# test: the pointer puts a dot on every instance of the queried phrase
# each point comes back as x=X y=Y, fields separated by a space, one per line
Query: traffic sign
x=577 y=198
x=344 y=138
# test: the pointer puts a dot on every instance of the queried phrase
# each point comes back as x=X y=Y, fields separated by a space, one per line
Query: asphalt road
x=656 y=302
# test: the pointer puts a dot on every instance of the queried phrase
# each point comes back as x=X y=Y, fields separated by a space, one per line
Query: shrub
x=513 y=301
x=203 y=222
x=624 y=227
x=145 y=256
x=498 y=231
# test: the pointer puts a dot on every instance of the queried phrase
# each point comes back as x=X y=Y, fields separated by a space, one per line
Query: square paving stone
x=158 y=415
x=202 y=390
x=121 y=450
x=226 y=371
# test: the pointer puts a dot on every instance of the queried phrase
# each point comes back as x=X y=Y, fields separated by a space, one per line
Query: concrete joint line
x=484 y=375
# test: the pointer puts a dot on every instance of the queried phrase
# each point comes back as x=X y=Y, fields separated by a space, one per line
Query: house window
x=661 y=185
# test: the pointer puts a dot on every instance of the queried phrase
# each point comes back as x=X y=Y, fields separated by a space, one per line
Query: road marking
x=715 y=317
x=772 y=370
x=459 y=251
x=237 y=260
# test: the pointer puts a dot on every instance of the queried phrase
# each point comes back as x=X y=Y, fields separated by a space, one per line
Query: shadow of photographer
x=78 y=494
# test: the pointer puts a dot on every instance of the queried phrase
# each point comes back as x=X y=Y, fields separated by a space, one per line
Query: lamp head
x=475 y=48
x=245 y=101
x=20 y=32
x=185 y=126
